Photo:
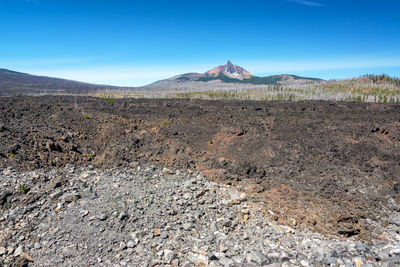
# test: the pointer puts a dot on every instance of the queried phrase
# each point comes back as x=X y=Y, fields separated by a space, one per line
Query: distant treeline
x=383 y=78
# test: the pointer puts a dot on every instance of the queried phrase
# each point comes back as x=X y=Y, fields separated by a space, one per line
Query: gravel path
x=151 y=216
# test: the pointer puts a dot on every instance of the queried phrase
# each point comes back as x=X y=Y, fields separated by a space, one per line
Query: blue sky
x=133 y=43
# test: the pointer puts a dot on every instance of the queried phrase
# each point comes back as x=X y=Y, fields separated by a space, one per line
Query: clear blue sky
x=137 y=42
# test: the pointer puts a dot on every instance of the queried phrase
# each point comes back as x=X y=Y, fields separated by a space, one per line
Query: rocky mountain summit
x=230 y=70
x=152 y=216
x=229 y=74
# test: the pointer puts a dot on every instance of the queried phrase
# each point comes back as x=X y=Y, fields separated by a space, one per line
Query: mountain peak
x=230 y=70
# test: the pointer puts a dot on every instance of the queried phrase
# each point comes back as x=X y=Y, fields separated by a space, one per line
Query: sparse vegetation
x=165 y=123
x=368 y=88
x=23 y=189
x=50 y=117
x=11 y=155
x=86 y=116
x=110 y=100
x=89 y=155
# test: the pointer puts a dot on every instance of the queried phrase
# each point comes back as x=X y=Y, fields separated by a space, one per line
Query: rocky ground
x=320 y=182
x=150 y=216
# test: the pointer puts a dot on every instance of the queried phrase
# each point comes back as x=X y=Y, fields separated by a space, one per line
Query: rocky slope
x=150 y=216
x=329 y=167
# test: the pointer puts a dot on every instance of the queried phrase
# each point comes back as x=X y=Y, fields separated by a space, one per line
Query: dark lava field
x=331 y=167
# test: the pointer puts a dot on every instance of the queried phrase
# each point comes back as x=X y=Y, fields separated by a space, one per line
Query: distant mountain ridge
x=229 y=73
x=13 y=82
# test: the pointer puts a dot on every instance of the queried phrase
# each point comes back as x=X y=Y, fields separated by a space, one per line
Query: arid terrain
x=331 y=167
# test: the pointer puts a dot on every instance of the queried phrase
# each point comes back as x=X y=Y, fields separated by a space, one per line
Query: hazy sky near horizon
x=132 y=43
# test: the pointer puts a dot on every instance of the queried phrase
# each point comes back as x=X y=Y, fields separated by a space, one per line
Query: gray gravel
x=150 y=216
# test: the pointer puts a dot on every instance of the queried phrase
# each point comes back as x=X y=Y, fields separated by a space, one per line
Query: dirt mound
x=331 y=167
